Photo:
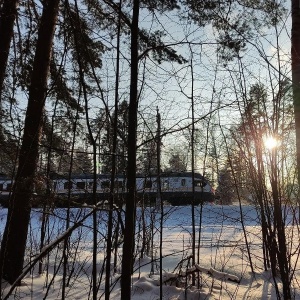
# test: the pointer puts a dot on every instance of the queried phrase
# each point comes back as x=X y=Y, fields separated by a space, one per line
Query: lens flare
x=270 y=142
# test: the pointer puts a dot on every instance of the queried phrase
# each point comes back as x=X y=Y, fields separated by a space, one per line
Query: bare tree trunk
x=159 y=201
x=94 y=146
x=113 y=168
x=193 y=168
x=12 y=257
x=295 y=51
x=279 y=226
x=7 y=19
x=128 y=246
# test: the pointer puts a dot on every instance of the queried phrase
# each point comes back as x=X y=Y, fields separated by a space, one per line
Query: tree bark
x=15 y=234
x=113 y=166
x=128 y=246
x=7 y=19
x=295 y=51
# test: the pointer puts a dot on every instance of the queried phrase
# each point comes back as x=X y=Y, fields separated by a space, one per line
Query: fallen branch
x=171 y=277
x=223 y=275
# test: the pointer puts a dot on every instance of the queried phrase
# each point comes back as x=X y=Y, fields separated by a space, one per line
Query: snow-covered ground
x=222 y=259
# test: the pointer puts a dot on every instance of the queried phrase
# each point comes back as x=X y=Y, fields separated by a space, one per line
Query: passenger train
x=177 y=188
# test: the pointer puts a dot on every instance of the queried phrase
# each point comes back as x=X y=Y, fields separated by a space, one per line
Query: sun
x=271 y=142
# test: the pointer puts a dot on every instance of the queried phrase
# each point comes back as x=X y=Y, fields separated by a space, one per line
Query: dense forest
x=121 y=88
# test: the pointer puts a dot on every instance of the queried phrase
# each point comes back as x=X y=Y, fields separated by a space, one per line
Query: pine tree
x=12 y=257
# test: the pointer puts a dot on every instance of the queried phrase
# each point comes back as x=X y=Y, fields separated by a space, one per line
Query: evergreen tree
x=12 y=257
x=107 y=140
x=177 y=162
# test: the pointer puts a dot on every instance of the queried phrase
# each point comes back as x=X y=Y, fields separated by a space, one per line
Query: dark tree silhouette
x=8 y=15
x=12 y=257
x=296 y=74
x=128 y=246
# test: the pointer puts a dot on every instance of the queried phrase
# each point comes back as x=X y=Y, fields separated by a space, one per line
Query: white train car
x=176 y=188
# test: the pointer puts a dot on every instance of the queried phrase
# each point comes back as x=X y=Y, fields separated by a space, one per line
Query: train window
x=1 y=186
x=8 y=187
x=148 y=184
x=199 y=183
x=90 y=184
x=68 y=185
x=166 y=184
x=80 y=185
x=105 y=184
x=183 y=182
x=119 y=184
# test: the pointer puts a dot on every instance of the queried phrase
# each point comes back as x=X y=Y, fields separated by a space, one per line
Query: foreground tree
x=295 y=52
x=128 y=246
x=12 y=257
x=8 y=13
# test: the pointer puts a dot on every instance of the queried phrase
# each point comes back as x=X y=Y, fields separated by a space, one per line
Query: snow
x=223 y=263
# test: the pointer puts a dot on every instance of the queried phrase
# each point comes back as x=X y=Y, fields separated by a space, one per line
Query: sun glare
x=270 y=142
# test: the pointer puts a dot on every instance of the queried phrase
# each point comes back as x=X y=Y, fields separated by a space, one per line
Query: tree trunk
x=7 y=19
x=295 y=51
x=128 y=246
x=15 y=234
x=113 y=167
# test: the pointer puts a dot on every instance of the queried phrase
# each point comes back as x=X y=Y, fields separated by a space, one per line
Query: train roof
x=82 y=176
x=181 y=174
x=122 y=176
